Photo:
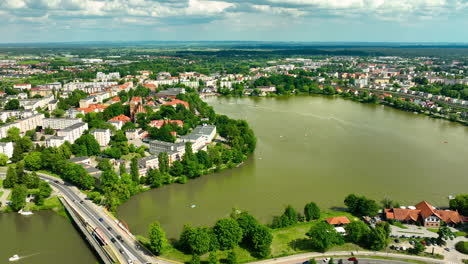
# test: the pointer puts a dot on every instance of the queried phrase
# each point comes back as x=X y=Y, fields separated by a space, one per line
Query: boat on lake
x=14 y=258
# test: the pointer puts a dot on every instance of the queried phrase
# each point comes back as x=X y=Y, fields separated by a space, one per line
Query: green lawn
x=49 y=173
x=293 y=239
x=400 y=225
x=457 y=234
x=435 y=230
x=29 y=62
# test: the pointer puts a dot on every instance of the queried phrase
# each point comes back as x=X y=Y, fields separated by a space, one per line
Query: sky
x=234 y=20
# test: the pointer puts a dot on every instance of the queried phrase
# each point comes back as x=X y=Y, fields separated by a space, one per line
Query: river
x=315 y=148
x=42 y=238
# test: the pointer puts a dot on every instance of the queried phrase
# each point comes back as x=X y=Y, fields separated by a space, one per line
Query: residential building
x=176 y=102
x=22 y=86
x=425 y=214
x=146 y=163
x=6 y=148
x=55 y=141
x=160 y=123
x=59 y=123
x=73 y=132
x=102 y=136
x=106 y=77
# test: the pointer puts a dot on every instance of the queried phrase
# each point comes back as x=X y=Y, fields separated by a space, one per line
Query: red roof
x=136 y=99
x=160 y=123
x=340 y=220
x=176 y=102
x=122 y=118
x=424 y=210
x=93 y=108
x=115 y=99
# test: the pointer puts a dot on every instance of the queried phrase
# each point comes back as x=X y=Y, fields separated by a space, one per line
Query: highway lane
x=130 y=254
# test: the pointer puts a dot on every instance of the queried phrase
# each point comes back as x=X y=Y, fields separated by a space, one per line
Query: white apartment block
x=22 y=86
x=82 y=85
x=23 y=125
x=18 y=114
x=102 y=136
x=59 y=123
x=6 y=148
x=55 y=141
x=73 y=132
x=105 y=77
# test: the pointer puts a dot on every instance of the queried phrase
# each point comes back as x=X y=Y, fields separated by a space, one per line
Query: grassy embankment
x=286 y=241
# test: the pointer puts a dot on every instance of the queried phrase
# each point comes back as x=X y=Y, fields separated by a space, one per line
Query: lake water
x=316 y=149
x=42 y=238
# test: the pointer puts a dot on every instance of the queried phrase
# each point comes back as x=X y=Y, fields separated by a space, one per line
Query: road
x=300 y=258
x=130 y=251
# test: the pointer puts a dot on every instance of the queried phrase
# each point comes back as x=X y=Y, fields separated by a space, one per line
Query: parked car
x=113 y=240
x=100 y=219
x=352 y=259
x=447 y=249
x=326 y=260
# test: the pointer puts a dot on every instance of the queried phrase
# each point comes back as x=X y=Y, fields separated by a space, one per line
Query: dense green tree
x=361 y=206
x=289 y=217
x=155 y=178
x=445 y=233
x=311 y=211
x=13 y=134
x=177 y=169
x=157 y=238
x=213 y=258
x=460 y=203
x=12 y=104
x=357 y=232
x=33 y=161
x=418 y=248
x=163 y=162
x=105 y=165
x=324 y=236
x=231 y=258
x=134 y=171
x=228 y=232
x=261 y=241
x=44 y=191
x=248 y=224
x=122 y=168
x=88 y=146
x=18 y=197
x=194 y=240
x=378 y=237
x=11 y=178
x=3 y=159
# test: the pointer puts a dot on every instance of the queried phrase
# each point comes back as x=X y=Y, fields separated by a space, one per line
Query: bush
x=462 y=247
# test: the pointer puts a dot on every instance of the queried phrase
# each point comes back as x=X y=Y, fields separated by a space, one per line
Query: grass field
x=400 y=225
x=286 y=241
x=29 y=62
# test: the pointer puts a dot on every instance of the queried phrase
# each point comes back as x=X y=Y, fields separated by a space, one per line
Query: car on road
x=81 y=201
x=130 y=261
x=109 y=228
x=447 y=249
x=306 y=262
x=56 y=181
x=100 y=219
x=113 y=240
x=119 y=238
x=121 y=251
x=352 y=259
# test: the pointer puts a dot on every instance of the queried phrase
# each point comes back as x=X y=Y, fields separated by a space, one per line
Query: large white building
x=59 y=123
x=102 y=136
x=55 y=141
x=6 y=148
x=105 y=77
x=83 y=85
x=25 y=124
x=73 y=132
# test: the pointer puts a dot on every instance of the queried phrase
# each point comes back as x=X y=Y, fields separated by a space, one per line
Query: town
x=101 y=129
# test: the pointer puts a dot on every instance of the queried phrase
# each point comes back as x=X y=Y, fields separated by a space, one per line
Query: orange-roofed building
x=150 y=86
x=425 y=214
x=122 y=118
x=175 y=102
x=115 y=100
x=338 y=221
x=160 y=123
x=93 y=108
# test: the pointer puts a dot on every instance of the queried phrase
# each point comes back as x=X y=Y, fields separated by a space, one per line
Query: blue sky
x=256 y=20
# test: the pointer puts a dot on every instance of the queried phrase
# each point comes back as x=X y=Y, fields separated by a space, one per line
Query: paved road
x=4 y=197
x=131 y=252
x=300 y=258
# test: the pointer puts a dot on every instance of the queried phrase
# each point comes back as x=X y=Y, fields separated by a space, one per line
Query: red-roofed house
x=150 y=86
x=160 y=123
x=338 y=221
x=93 y=108
x=425 y=214
x=114 y=100
x=122 y=118
x=175 y=102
